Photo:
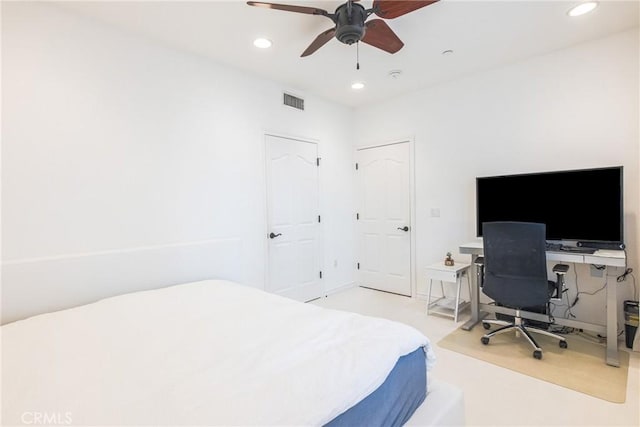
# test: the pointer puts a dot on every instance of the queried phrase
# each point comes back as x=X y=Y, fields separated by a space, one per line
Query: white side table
x=447 y=306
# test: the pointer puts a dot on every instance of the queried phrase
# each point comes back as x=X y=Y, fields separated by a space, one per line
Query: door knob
x=273 y=236
x=405 y=228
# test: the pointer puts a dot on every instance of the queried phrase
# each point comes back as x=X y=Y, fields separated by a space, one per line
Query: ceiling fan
x=350 y=26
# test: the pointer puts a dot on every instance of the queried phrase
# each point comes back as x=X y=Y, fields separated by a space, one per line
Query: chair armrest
x=560 y=268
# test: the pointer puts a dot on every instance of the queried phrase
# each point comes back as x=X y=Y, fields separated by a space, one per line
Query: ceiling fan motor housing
x=350 y=26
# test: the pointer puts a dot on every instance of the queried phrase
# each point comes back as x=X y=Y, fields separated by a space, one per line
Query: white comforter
x=203 y=353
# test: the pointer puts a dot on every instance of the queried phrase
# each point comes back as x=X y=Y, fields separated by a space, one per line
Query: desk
x=602 y=257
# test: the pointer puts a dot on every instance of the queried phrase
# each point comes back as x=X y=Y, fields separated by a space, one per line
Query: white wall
x=570 y=109
x=128 y=165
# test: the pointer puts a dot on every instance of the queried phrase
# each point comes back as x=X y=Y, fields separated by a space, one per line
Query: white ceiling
x=482 y=34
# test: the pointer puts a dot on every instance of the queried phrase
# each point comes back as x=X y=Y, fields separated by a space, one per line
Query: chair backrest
x=515 y=263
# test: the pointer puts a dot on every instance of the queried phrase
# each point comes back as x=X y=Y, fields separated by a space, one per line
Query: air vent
x=294 y=101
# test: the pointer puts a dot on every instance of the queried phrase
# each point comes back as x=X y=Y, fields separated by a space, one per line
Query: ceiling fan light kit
x=350 y=22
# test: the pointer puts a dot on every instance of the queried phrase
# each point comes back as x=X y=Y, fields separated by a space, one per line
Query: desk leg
x=475 y=296
x=612 y=320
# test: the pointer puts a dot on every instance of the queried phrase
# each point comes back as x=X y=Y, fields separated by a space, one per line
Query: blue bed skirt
x=395 y=401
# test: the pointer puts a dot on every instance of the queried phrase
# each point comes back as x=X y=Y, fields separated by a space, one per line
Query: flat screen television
x=583 y=205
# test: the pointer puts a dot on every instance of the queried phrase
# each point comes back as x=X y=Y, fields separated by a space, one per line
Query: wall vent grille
x=293 y=101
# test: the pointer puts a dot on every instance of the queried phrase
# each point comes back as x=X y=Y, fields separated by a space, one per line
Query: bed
x=214 y=353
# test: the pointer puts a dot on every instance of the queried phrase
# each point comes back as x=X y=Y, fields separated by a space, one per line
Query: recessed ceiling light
x=262 y=43
x=582 y=8
x=357 y=86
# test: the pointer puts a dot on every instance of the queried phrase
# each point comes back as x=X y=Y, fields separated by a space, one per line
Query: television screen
x=582 y=205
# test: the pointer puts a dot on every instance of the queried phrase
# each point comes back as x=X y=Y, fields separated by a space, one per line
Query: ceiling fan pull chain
x=357 y=55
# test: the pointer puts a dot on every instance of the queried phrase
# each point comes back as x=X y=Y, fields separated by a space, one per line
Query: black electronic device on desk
x=553 y=246
x=525 y=198
x=577 y=250
x=558 y=247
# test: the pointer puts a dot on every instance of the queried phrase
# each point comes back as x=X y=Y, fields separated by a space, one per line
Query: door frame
x=412 y=204
x=265 y=232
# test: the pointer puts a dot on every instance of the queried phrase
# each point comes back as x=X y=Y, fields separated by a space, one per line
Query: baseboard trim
x=422 y=297
x=340 y=288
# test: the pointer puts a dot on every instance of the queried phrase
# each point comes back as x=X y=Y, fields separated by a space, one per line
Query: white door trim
x=412 y=209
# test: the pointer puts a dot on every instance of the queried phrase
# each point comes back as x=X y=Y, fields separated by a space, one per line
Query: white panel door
x=383 y=233
x=293 y=218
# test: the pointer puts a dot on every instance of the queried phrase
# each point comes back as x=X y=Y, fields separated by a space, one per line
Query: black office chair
x=515 y=276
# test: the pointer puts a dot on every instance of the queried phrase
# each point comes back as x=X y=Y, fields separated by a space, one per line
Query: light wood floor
x=496 y=396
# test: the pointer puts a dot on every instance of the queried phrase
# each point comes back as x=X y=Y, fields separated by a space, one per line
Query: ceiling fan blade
x=389 y=9
x=289 y=8
x=320 y=41
x=379 y=34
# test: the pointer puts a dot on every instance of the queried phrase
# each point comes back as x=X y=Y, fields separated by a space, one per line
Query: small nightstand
x=444 y=305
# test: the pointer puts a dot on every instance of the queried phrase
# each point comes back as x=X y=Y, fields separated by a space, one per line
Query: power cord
x=621 y=278
x=563 y=330
x=572 y=304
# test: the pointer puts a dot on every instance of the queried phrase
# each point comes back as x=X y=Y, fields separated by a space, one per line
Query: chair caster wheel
x=562 y=344
x=537 y=354
x=484 y=340
x=486 y=325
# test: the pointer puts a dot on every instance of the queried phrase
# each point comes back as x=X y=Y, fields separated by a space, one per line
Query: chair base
x=524 y=330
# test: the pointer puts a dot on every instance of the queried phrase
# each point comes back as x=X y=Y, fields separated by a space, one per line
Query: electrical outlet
x=595 y=272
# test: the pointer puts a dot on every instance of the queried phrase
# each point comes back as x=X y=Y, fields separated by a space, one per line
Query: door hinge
x=356 y=166
x=317 y=161
x=321 y=274
x=357 y=216
x=358 y=266
x=318 y=218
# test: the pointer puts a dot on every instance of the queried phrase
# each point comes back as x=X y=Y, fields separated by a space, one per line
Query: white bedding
x=210 y=352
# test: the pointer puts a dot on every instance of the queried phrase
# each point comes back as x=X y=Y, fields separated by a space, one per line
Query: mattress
x=206 y=353
x=395 y=401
